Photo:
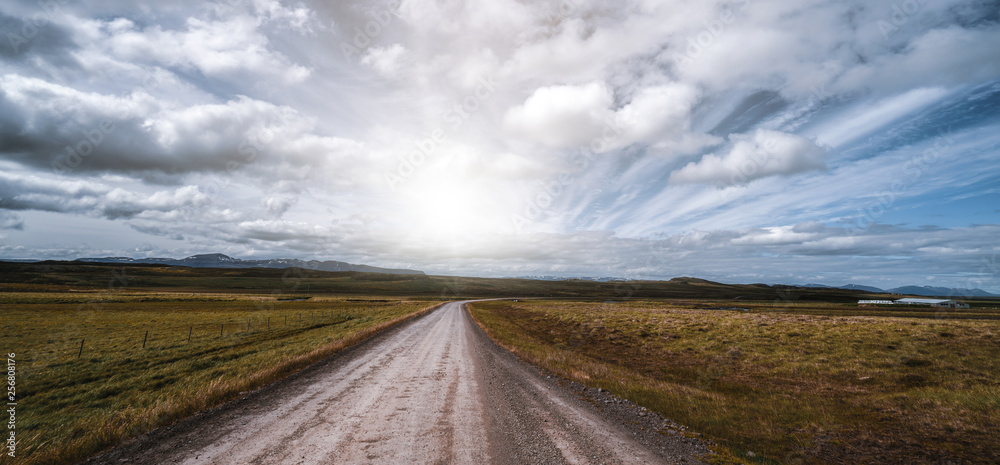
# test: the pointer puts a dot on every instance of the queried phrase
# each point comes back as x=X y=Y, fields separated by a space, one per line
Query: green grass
x=785 y=383
x=70 y=407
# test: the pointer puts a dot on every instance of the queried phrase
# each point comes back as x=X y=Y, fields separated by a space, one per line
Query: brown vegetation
x=790 y=388
x=200 y=350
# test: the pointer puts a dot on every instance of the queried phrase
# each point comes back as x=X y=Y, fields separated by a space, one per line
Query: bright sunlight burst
x=451 y=210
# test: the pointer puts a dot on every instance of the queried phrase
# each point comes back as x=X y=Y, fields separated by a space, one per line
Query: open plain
x=435 y=391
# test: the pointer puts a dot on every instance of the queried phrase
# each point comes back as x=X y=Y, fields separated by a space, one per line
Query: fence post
x=268 y=323
x=189 y=333
x=144 y=339
x=81 y=348
x=221 y=328
x=248 y=324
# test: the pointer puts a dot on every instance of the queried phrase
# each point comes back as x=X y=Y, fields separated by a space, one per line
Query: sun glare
x=450 y=210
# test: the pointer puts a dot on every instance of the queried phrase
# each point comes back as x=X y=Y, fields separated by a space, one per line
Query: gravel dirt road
x=433 y=390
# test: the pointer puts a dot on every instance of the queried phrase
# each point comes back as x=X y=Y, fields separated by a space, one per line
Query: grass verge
x=200 y=351
x=778 y=387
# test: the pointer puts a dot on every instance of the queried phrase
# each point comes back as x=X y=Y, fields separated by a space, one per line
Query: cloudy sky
x=744 y=141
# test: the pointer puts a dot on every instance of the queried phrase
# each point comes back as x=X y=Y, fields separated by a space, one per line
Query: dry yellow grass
x=70 y=407
x=790 y=388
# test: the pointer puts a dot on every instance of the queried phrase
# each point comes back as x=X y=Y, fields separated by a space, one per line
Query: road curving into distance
x=433 y=390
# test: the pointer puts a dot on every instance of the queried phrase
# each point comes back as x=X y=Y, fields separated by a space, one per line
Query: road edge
x=349 y=345
x=632 y=417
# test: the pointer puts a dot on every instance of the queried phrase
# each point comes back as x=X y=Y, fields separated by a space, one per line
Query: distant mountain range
x=941 y=291
x=853 y=287
x=602 y=279
x=927 y=291
x=218 y=260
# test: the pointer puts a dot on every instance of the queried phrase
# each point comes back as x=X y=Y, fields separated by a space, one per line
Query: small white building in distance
x=942 y=303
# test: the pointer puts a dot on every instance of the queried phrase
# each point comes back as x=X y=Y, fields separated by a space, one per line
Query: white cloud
x=47 y=102
x=776 y=235
x=571 y=116
x=753 y=156
x=656 y=112
x=298 y=17
x=660 y=116
x=254 y=104
x=578 y=49
x=562 y=116
x=385 y=60
x=219 y=48
x=276 y=206
x=105 y=130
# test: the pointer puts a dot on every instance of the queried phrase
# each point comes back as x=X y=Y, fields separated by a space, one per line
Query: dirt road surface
x=434 y=390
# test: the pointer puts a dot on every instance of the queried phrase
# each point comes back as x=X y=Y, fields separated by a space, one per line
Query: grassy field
x=790 y=379
x=200 y=350
x=786 y=382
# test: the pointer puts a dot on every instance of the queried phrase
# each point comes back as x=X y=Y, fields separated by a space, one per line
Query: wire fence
x=117 y=338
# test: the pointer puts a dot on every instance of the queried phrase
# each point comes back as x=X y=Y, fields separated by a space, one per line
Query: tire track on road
x=435 y=390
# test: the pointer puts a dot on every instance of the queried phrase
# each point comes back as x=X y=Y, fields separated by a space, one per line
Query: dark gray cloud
x=23 y=41
x=10 y=220
x=32 y=192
